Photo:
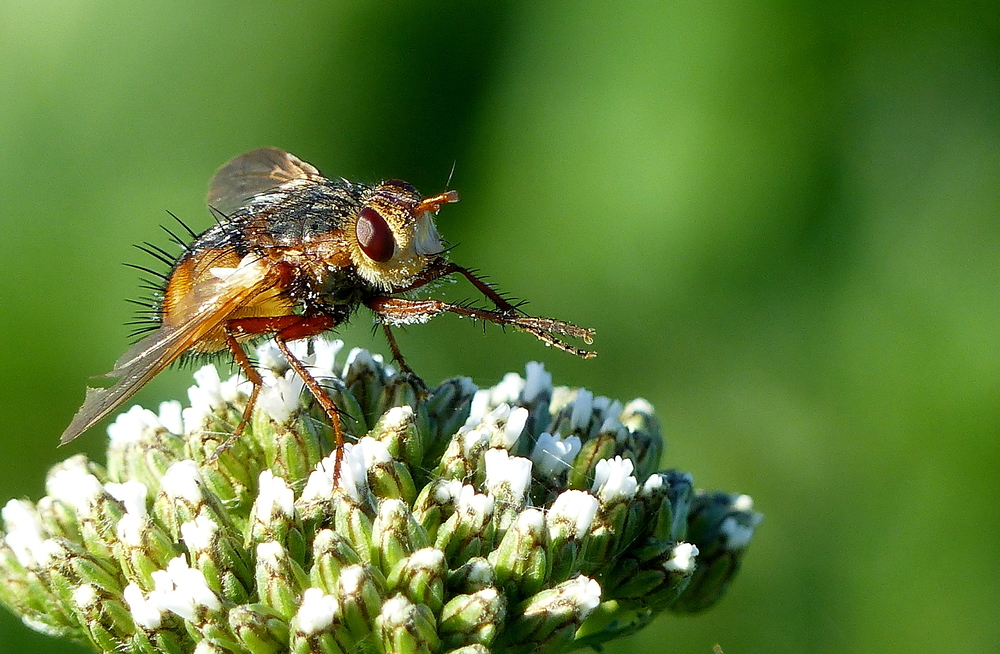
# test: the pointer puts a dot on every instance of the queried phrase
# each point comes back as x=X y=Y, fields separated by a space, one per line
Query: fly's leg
x=306 y=327
x=243 y=361
x=284 y=329
x=398 y=358
x=402 y=311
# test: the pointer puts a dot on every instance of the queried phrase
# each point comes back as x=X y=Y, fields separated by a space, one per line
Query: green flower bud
x=292 y=451
x=420 y=577
x=58 y=519
x=435 y=503
x=507 y=480
x=654 y=578
x=655 y=495
x=183 y=497
x=397 y=430
x=142 y=444
x=643 y=441
x=273 y=514
x=400 y=390
x=473 y=618
x=459 y=458
x=364 y=379
x=391 y=479
x=406 y=628
x=280 y=581
x=74 y=566
x=21 y=588
x=680 y=493
x=360 y=590
x=142 y=548
x=229 y=476
x=347 y=500
x=216 y=407
x=352 y=521
x=619 y=518
x=107 y=621
x=259 y=628
x=448 y=408
x=97 y=512
x=316 y=629
x=472 y=576
x=469 y=531
x=569 y=523
x=549 y=619
x=519 y=561
x=222 y=561
x=720 y=526
x=331 y=554
x=352 y=416
x=395 y=535
x=593 y=452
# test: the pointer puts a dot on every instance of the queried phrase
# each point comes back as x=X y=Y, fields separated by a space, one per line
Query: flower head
x=460 y=519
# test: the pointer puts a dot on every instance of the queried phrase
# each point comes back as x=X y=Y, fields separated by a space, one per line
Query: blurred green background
x=781 y=217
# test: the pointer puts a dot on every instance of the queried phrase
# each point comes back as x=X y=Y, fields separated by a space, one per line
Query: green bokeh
x=782 y=218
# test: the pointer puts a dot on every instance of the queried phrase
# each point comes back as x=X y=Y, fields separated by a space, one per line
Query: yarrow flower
x=519 y=518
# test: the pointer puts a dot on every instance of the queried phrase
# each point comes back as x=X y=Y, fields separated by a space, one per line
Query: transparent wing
x=205 y=308
x=252 y=173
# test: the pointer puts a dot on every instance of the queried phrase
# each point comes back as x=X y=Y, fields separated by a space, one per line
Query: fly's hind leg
x=306 y=327
x=284 y=328
x=243 y=361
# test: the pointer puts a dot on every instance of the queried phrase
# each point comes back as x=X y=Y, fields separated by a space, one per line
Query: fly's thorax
x=303 y=214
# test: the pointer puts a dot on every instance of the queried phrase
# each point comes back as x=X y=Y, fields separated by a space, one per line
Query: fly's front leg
x=400 y=311
x=441 y=267
x=506 y=314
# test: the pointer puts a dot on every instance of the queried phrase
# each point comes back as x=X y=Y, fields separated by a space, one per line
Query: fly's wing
x=209 y=303
x=254 y=172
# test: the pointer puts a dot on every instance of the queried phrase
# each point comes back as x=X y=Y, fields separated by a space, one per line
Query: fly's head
x=392 y=238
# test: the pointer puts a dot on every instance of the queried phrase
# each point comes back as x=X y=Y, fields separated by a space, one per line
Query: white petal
x=317 y=611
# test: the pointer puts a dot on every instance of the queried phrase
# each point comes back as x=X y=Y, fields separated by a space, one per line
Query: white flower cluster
x=455 y=519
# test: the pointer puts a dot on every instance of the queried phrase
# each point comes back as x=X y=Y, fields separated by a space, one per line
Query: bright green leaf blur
x=782 y=218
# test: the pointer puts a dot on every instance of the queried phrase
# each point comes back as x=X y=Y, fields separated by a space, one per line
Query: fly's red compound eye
x=374 y=236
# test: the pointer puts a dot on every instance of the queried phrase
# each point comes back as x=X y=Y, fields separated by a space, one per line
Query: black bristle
x=150 y=271
x=162 y=252
x=143 y=330
x=142 y=302
x=183 y=224
x=160 y=255
x=218 y=215
x=173 y=237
